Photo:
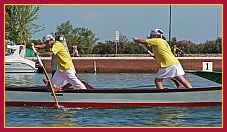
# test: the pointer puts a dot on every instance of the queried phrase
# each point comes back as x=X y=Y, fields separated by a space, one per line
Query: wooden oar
x=45 y=72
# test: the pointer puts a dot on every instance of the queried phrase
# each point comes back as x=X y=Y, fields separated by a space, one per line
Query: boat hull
x=112 y=98
x=19 y=67
x=15 y=61
x=213 y=76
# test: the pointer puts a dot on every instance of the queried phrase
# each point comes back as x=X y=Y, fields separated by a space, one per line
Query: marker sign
x=117 y=35
x=208 y=66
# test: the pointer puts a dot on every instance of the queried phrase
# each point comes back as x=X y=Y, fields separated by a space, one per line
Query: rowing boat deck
x=109 y=90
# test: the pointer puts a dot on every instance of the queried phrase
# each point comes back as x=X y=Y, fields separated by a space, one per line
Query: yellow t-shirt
x=162 y=52
x=62 y=57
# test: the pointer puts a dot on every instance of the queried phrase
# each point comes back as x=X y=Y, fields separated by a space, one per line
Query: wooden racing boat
x=114 y=97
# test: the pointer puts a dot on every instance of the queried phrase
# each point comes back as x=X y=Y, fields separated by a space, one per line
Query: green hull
x=213 y=76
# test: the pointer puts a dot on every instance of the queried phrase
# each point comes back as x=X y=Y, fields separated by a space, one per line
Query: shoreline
x=132 y=64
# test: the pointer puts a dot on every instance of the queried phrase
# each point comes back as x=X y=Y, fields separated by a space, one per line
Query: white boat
x=114 y=97
x=15 y=61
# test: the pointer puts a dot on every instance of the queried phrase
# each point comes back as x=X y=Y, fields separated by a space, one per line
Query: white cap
x=47 y=38
x=156 y=31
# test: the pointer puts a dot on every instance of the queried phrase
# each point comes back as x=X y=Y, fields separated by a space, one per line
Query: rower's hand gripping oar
x=179 y=86
x=147 y=50
x=45 y=72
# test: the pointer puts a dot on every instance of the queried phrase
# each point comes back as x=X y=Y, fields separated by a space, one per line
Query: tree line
x=209 y=47
x=20 y=26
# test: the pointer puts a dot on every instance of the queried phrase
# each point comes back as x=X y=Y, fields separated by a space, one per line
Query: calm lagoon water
x=118 y=117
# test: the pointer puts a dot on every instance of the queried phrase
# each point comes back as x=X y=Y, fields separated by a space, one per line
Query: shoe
x=56 y=89
x=47 y=82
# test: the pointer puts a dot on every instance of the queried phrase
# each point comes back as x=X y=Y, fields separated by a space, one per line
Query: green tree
x=80 y=36
x=19 y=23
x=123 y=38
x=123 y=48
x=218 y=42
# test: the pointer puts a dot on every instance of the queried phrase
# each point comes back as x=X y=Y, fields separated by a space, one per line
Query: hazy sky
x=196 y=23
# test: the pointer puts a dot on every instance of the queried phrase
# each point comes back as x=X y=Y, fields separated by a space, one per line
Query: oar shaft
x=41 y=63
x=52 y=89
x=148 y=51
x=46 y=74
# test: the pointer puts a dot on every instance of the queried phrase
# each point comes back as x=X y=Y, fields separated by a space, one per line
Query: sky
x=197 y=23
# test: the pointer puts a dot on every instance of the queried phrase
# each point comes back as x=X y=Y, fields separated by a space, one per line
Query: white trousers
x=69 y=75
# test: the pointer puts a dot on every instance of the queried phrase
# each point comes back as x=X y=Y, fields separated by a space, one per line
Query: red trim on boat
x=110 y=105
x=111 y=90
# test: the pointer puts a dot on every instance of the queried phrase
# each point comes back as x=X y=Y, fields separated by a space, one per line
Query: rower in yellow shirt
x=170 y=67
x=65 y=69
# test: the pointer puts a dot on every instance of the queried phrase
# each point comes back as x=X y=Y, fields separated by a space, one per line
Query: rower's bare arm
x=139 y=41
x=46 y=54
x=41 y=46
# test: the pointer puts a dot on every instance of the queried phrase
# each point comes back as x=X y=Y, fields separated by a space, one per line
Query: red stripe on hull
x=111 y=105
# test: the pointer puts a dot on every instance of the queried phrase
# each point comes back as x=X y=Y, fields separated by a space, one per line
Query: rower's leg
x=47 y=82
x=179 y=86
x=158 y=83
x=183 y=81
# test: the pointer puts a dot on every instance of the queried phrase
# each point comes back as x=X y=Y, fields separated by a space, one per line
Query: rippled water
x=127 y=117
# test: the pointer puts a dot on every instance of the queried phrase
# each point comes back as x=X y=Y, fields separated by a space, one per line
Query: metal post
x=94 y=65
x=116 y=48
x=217 y=22
x=170 y=26
x=117 y=40
x=217 y=40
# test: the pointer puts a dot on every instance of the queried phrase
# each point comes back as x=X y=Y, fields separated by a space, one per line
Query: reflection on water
x=120 y=117
x=24 y=79
x=63 y=118
x=168 y=116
